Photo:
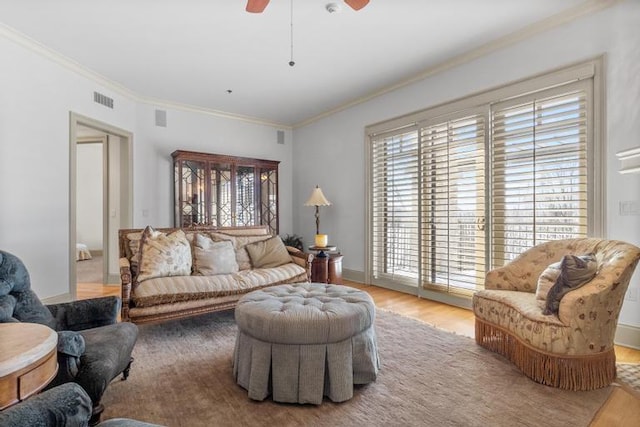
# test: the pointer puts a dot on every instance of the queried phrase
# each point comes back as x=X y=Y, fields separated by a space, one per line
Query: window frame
x=590 y=71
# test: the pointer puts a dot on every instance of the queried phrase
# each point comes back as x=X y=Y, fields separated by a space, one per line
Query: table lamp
x=317 y=199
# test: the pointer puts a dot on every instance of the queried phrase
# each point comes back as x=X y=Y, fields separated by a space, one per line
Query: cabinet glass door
x=224 y=191
x=190 y=203
x=269 y=199
x=221 y=204
x=245 y=212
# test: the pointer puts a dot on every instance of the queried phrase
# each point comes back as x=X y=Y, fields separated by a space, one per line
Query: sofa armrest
x=71 y=343
x=125 y=282
x=66 y=404
x=71 y=347
x=511 y=277
x=303 y=259
x=595 y=305
x=86 y=314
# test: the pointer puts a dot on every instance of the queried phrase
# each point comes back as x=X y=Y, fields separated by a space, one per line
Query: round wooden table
x=28 y=360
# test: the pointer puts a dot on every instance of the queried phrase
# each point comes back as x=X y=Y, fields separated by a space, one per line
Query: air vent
x=161 y=118
x=103 y=99
x=280 y=137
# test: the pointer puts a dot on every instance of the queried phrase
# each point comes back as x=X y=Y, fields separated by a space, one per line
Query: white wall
x=37 y=95
x=89 y=171
x=330 y=152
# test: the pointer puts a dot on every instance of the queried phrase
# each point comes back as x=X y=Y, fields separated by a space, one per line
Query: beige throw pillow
x=546 y=280
x=163 y=255
x=211 y=258
x=239 y=244
x=268 y=253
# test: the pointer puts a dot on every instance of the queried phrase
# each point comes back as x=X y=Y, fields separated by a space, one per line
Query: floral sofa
x=573 y=348
x=169 y=273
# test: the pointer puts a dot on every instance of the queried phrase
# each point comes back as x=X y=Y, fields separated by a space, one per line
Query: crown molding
x=629 y=160
x=586 y=8
x=212 y=112
x=74 y=66
x=48 y=53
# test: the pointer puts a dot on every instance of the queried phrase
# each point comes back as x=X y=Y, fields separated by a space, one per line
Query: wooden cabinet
x=224 y=191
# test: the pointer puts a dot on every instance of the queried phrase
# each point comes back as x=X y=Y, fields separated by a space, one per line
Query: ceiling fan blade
x=256 y=6
x=357 y=4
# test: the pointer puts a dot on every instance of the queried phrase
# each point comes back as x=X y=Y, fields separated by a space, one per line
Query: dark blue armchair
x=67 y=405
x=93 y=348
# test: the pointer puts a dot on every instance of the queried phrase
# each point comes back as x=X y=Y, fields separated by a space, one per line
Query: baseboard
x=628 y=336
x=353 y=275
x=57 y=299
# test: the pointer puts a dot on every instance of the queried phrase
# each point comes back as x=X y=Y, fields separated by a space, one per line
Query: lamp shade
x=317 y=198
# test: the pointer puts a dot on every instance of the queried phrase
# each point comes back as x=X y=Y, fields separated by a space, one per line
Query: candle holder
x=321 y=240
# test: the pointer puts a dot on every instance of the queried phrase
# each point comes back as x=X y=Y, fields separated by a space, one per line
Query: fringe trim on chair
x=569 y=372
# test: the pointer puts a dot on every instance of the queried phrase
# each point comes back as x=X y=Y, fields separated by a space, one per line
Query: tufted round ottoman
x=305 y=341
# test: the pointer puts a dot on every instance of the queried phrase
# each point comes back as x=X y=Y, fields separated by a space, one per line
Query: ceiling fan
x=257 y=6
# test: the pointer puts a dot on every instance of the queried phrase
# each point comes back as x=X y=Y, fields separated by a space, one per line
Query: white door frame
x=126 y=186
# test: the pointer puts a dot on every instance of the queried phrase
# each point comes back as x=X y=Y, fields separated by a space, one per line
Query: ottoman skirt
x=302 y=342
x=305 y=373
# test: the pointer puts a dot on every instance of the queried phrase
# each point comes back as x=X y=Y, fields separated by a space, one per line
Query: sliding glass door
x=459 y=194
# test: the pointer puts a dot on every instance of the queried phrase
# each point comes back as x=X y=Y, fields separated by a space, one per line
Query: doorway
x=100 y=199
x=92 y=196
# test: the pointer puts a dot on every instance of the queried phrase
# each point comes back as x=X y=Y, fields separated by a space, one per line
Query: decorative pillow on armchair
x=575 y=271
x=268 y=253
x=211 y=258
x=163 y=255
x=546 y=280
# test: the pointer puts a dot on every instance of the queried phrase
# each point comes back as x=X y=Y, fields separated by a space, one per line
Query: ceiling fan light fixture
x=256 y=6
x=356 y=4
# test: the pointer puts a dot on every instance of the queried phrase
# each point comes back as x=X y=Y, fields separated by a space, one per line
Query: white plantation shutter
x=539 y=160
x=395 y=238
x=453 y=204
x=464 y=187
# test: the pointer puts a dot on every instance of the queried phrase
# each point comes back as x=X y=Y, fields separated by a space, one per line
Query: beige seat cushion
x=521 y=314
x=165 y=290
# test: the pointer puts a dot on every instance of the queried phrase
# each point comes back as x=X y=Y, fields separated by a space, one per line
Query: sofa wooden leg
x=125 y=373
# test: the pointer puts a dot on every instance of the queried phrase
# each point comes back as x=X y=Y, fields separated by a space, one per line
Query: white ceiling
x=191 y=51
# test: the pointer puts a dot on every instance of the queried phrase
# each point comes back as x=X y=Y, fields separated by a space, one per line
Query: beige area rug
x=629 y=374
x=182 y=376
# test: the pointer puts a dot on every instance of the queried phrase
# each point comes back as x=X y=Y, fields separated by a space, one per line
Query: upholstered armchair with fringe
x=93 y=348
x=574 y=348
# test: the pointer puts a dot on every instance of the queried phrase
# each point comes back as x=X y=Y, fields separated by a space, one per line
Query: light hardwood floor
x=621 y=410
x=443 y=316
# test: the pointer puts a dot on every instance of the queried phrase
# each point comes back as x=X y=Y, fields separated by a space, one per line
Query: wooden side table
x=327 y=269
x=335 y=269
x=28 y=360
x=320 y=269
